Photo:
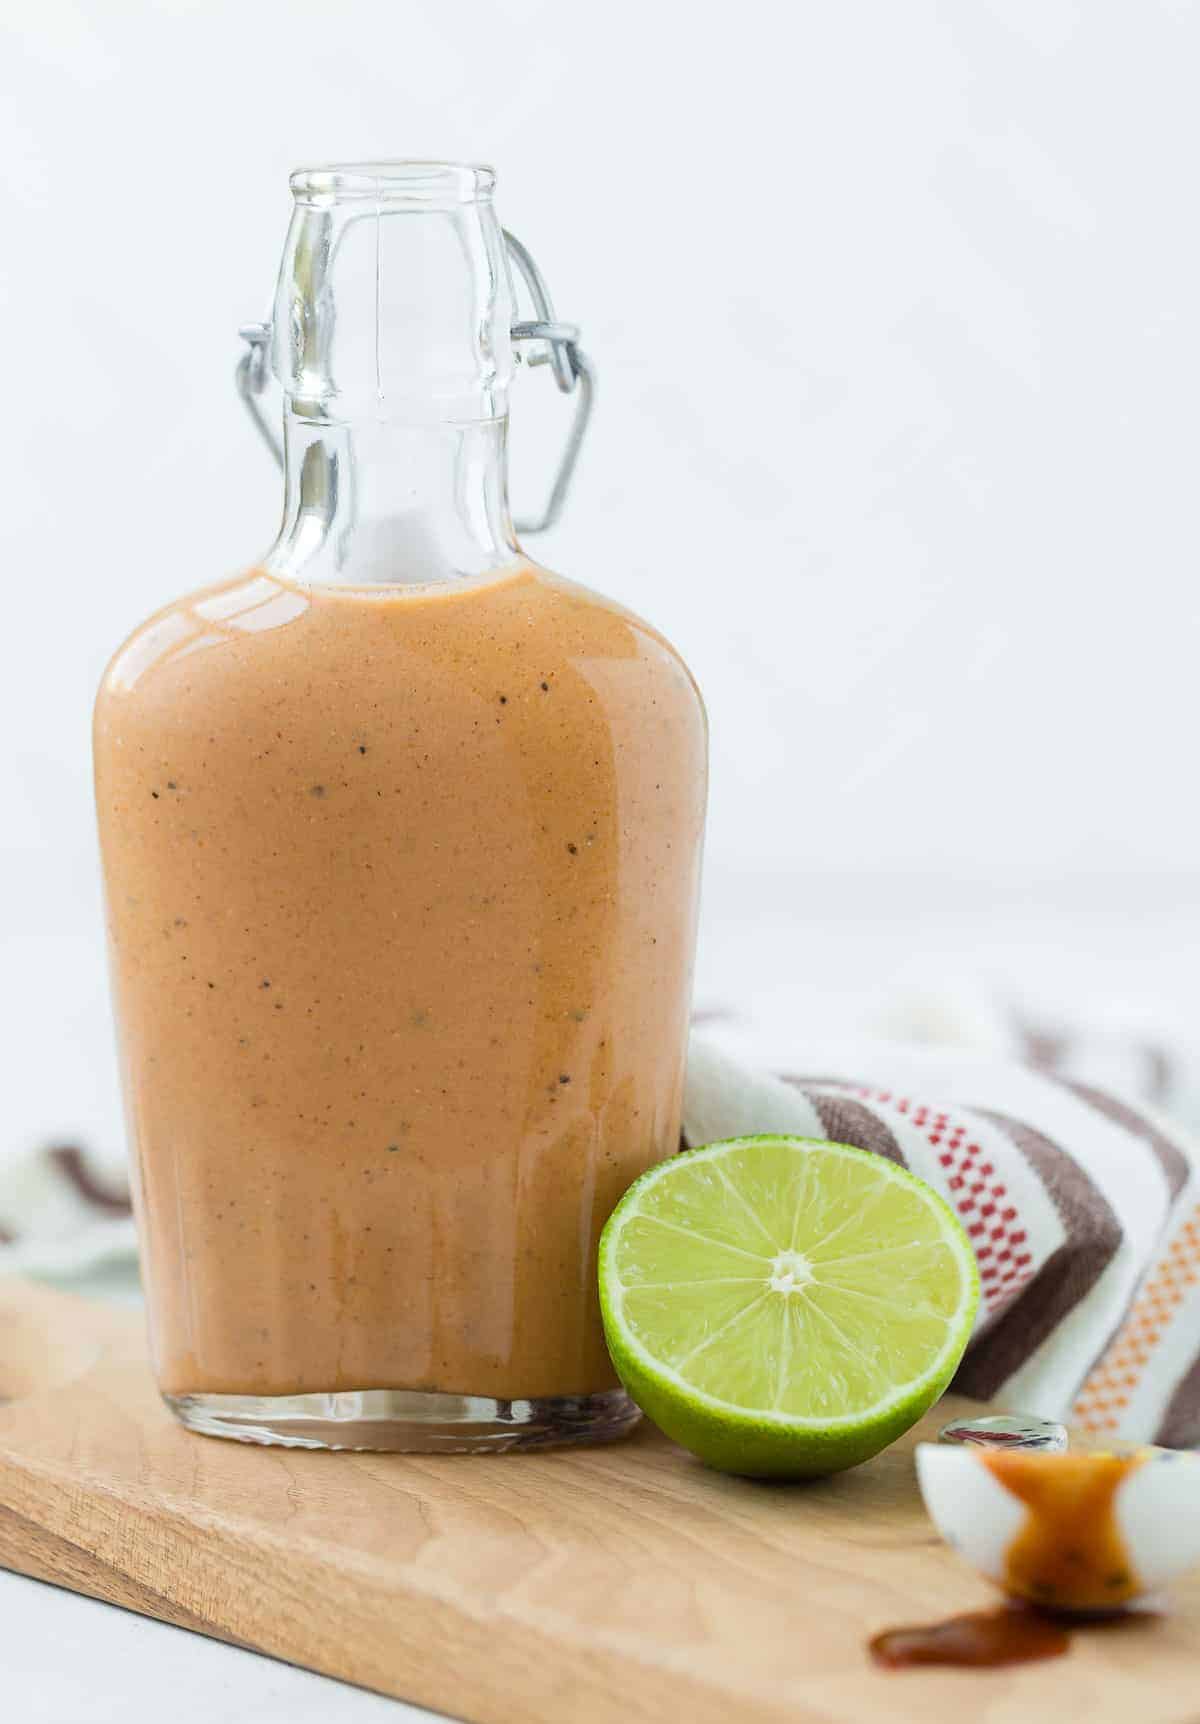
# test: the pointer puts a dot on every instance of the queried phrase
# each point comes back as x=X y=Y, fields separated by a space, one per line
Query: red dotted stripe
x=991 y=1220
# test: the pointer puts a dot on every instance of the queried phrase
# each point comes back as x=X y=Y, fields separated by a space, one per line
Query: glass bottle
x=401 y=837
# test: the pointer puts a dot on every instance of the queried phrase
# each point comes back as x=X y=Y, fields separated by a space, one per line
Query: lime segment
x=784 y=1306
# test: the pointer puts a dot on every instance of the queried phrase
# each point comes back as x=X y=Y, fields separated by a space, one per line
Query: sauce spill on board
x=979 y=1638
x=1067 y=1555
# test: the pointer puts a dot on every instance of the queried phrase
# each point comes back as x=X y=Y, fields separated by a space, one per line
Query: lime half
x=782 y=1306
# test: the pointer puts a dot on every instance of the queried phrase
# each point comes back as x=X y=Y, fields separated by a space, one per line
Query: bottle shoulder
x=644 y=635
x=243 y=603
x=259 y=620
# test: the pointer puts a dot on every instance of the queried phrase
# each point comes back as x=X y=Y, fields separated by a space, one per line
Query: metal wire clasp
x=558 y=347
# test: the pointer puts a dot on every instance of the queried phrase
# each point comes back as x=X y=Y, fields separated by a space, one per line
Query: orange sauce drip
x=1069 y=1552
x=980 y=1638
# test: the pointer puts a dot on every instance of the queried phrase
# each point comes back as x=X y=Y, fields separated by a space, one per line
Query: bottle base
x=408 y=1421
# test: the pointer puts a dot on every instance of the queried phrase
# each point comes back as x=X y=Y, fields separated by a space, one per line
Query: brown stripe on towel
x=1180 y=1427
x=825 y=1082
x=70 y=1162
x=1067 y=1276
x=844 y=1120
x=1046 y=1049
x=1160 y=1069
x=1052 y=1051
x=1169 y=1156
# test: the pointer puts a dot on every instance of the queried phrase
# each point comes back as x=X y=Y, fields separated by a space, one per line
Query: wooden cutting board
x=622 y=1583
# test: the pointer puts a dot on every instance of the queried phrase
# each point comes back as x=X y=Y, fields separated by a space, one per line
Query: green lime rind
x=755 y=1441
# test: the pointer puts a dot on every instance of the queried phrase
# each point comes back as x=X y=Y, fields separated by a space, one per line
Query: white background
x=894 y=305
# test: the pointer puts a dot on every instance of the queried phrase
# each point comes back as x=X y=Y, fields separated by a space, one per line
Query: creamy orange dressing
x=402 y=891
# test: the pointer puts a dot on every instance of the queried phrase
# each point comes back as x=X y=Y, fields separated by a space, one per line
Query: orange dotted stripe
x=1108 y=1390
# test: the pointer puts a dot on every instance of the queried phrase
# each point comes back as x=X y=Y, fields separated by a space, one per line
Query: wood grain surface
x=621 y=1583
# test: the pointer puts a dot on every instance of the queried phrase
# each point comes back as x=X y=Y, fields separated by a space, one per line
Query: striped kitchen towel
x=63 y=1215
x=1083 y=1207
x=1082 y=1202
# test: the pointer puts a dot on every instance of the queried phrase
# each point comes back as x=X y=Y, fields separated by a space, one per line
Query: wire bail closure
x=558 y=347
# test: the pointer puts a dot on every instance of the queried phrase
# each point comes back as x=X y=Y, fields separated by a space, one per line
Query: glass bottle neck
x=388 y=503
x=390 y=341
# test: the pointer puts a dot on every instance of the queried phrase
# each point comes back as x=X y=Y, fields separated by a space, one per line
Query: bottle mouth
x=429 y=185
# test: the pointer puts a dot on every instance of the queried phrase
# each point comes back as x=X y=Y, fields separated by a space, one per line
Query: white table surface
x=69 y=1660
